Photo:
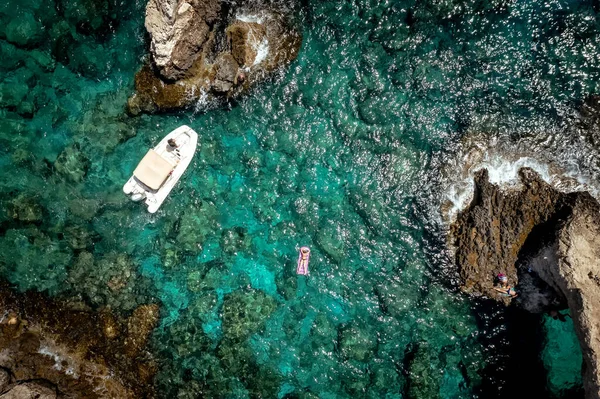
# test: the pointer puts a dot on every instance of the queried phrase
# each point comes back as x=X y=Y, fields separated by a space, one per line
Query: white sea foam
x=202 y=101
x=259 y=19
x=260 y=45
x=504 y=172
x=262 y=51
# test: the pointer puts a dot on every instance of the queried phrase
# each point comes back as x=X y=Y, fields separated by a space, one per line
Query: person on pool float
x=305 y=252
x=303 y=261
x=504 y=288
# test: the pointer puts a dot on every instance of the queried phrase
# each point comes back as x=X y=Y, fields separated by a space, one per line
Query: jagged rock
x=490 y=233
x=244 y=39
x=178 y=30
x=191 y=62
x=154 y=94
x=31 y=390
x=4 y=379
x=52 y=344
x=574 y=271
x=555 y=236
x=227 y=70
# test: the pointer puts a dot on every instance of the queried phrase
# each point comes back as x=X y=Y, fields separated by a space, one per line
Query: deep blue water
x=345 y=151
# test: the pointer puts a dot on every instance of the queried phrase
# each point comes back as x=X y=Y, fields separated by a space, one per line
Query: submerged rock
x=25 y=208
x=358 y=344
x=111 y=280
x=195 y=225
x=72 y=164
x=245 y=312
x=196 y=57
x=139 y=326
x=423 y=371
x=554 y=236
x=235 y=240
x=25 y=31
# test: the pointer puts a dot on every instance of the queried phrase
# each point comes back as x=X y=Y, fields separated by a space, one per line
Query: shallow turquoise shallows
x=342 y=152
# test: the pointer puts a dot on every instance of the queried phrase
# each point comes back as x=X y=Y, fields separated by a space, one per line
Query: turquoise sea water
x=343 y=152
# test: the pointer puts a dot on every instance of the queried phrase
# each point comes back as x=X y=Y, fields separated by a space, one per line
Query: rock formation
x=204 y=49
x=490 y=233
x=54 y=349
x=178 y=30
x=574 y=271
x=536 y=231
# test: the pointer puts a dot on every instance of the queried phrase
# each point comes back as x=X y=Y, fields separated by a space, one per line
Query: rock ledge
x=536 y=231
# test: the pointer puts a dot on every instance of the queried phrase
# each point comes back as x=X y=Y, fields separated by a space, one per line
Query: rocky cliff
x=209 y=49
x=57 y=349
x=536 y=232
x=571 y=264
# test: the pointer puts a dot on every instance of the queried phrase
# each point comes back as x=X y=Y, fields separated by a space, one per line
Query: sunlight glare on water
x=350 y=151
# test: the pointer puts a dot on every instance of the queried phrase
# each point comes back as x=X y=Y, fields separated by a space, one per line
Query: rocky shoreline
x=52 y=348
x=536 y=233
x=202 y=50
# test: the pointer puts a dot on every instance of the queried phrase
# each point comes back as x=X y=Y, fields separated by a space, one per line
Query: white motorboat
x=162 y=167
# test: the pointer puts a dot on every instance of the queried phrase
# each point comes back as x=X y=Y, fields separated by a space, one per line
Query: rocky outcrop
x=571 y=265
x=200 y=52
x=536 y=232
x=51 y=348
x=178 y=30
x=490 y=233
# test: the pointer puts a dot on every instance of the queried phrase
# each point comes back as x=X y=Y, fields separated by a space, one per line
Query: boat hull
x=187 y=140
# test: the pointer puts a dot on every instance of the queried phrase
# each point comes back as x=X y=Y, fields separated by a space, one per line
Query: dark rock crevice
x=547 y=243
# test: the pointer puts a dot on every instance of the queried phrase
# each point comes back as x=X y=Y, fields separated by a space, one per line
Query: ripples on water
x=350 y=151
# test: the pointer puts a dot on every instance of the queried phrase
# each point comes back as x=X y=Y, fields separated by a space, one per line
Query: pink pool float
x=303 y=258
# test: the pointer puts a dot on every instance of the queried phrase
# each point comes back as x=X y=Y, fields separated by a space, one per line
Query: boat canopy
x=153 y=170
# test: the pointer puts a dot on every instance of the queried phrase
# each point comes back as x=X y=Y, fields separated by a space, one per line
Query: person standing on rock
x=504 y=288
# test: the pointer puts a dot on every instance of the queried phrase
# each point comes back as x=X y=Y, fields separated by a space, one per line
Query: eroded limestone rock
x=178 y=30
x=553 y=235
x=198 y=53
x=576 y=275
x=490 y=233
